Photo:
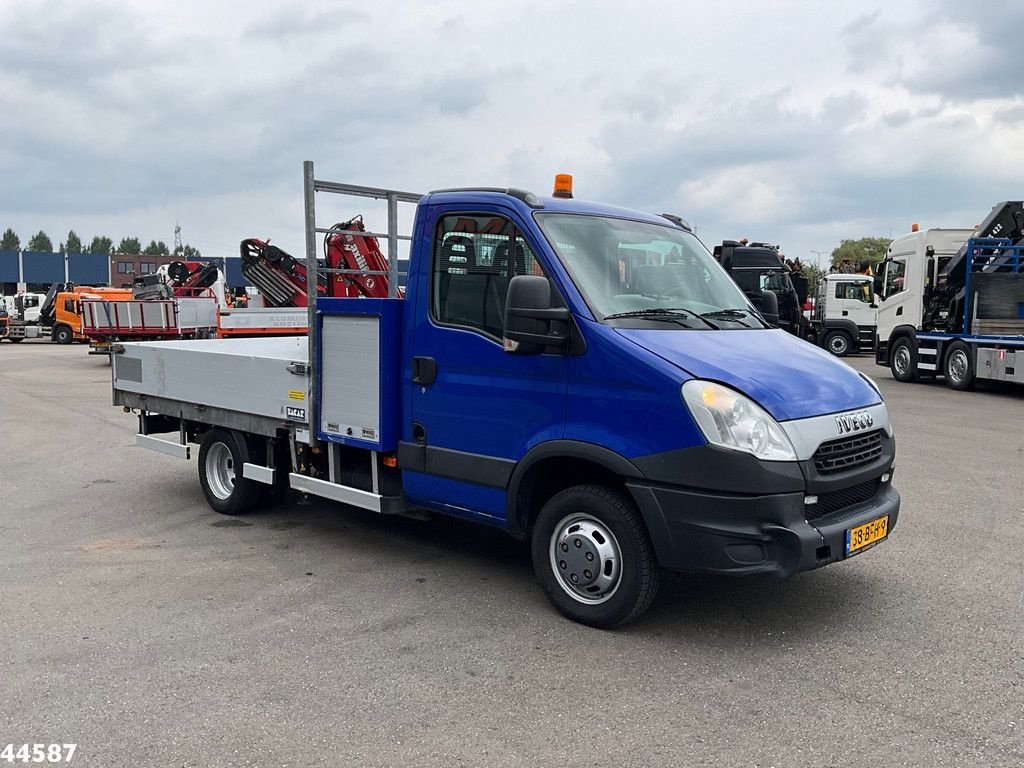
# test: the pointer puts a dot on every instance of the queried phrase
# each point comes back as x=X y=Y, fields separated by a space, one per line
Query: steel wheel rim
x=901 y=360
x=586 y=559
x=837 y=344
x=956 y=369
x=220 y=471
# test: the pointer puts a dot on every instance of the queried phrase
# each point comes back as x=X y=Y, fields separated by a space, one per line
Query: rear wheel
x=17 y=340
x=593 y=557
x=62 y=334
x=221 y=456
x=959 y=369
x=838 y=343
x=903 y=360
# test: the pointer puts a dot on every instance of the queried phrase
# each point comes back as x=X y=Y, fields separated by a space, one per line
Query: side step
x=164 y=446
x=387 y=505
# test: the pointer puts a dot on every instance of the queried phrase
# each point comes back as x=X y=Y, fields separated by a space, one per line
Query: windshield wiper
x=662 y=313
x=732 y=314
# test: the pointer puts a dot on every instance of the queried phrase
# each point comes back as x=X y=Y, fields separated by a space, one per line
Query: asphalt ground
x=150 y=631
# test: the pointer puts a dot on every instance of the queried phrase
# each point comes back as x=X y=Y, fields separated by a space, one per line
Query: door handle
x=845 y=313
x=899 y=310
x=424 y=371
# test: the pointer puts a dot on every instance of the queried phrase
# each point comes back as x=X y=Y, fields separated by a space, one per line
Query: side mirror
x=879 y=282
x=531 y=323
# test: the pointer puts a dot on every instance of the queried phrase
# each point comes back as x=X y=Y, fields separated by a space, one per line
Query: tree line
x=132 y=246
x=849 y=256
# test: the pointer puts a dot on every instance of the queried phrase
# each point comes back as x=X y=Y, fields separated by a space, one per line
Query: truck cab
x=585 y=377
x=907 y=277
x=766 y=281
x=844 y=316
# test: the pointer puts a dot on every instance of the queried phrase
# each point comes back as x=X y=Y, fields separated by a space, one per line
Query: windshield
x=622 y=266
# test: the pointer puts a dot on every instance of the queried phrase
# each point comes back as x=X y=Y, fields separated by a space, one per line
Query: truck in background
x=621 y=415
x=952 y=302
x=767 y=282
x=62 y=312
x=845 y=314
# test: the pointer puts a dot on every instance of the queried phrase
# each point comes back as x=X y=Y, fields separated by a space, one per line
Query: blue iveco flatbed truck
x=585 y=377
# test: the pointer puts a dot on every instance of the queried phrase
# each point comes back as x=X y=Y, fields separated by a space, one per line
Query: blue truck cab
x=589 y=379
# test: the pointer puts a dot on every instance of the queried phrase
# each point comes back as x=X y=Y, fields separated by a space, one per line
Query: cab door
x=854 y=299
x=474 y=409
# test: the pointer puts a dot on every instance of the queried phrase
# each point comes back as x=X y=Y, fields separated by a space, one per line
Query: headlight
x=734 y=421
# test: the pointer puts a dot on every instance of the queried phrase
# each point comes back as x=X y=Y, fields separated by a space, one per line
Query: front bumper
x=709 y=532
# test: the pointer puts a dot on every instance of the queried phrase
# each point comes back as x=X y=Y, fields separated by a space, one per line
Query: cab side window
x=854 y=291
x=474 y=259
x=69 y=305
x=895 y=273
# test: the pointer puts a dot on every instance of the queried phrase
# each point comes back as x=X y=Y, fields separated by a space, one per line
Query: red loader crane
x=281 y=278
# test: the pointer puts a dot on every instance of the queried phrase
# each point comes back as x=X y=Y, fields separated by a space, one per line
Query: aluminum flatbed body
x=259 y=384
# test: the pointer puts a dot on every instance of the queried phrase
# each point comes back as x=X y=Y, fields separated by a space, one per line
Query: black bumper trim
x=706 y=532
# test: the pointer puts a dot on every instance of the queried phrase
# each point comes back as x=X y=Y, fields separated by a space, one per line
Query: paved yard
x=151 y=631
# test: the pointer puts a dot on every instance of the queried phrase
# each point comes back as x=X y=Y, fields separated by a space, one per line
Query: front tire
x=221 y=456
x=903 y=360
x=593 y=557
x=959 y=369
x=838 y=343
x=62 y=334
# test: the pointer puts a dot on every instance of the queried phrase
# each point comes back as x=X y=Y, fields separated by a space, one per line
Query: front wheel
x=959 y=370
x=838 y=343
x=593 y=557
x=221 y=456
x=903 y=360
x=62 y=334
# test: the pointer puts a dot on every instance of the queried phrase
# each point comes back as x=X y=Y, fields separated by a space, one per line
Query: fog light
x=885 y=477
x=810 y=500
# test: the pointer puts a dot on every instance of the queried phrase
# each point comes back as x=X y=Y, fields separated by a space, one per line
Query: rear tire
x=903 y=360
x=221 y=456
x=959 y=368
x=62 y=334
x=17 y=340
x=593 y=556
x=838 y=343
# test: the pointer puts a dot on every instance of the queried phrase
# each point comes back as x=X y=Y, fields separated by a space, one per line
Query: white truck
x=845 y=314
x=952 y=302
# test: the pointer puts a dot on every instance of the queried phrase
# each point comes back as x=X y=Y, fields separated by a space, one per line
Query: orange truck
x=67 y=310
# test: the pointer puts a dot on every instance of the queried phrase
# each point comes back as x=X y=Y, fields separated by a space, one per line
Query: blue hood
x=788 y=377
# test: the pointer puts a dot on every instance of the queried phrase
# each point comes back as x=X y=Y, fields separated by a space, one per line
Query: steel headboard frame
x=311 y=185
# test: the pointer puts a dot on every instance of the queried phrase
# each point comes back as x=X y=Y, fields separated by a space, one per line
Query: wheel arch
x=555 y=465
x=839 y=324
x=895 y=334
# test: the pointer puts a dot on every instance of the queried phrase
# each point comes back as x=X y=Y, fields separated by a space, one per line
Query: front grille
x=836 y=501
x=848 y=453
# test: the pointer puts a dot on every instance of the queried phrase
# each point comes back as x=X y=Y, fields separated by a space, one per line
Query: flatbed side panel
x=251 y=377
x=201 y=414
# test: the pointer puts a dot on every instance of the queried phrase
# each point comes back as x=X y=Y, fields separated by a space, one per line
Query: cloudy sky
x=794 y=122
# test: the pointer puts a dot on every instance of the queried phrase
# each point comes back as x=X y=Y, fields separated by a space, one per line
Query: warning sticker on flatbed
x=296 y=394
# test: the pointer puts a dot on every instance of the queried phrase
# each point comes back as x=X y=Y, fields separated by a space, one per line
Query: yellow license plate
x=865 y=535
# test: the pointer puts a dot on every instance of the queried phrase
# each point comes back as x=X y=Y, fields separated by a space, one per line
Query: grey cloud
x=813 y=164
x=457 y=95
x=958 y=55
x=291 y=22
x=1011 y=115
x=862 y=37
x=60 y=47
